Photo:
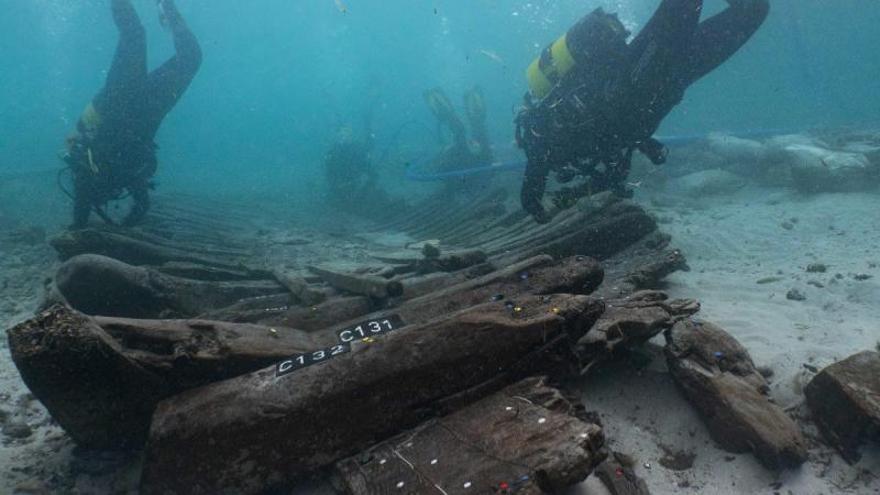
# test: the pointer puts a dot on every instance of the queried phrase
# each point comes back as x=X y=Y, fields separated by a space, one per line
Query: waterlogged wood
x=420 y=285
x=629 y=322
x=252 y=309
x=363 y=284
x=845 y=401
x=119 y=245
x=452 y=261
x=101 y=377
x=511 y=286
x=336 y=313
x=323 y=315
x=97 y=284
x=599 y=234
x=186 y=269
x=522 y=439
x=192 y=353
x=254 y=437
x=652 y=273
x=619 y=477
x=717 y=376
x=102 y=398
x=300 y=289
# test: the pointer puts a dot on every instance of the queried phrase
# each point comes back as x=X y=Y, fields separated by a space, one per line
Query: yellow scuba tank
x=596 y=35
x=90 y=120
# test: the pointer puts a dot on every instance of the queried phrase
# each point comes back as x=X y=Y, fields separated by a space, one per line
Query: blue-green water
x=279 y=78
x=759 y=221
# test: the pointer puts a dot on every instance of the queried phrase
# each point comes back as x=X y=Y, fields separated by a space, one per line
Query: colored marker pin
x=718 y=354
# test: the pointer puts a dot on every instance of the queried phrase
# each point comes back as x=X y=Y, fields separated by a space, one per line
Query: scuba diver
x=351 y=176
x=462 y=153
x=112 y=149
x=348 y=169
x=594 y=99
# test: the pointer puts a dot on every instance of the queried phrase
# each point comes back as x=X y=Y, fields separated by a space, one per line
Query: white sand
x=731 y=242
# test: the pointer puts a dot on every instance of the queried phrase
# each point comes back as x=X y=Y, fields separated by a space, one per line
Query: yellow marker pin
x=555 y=310
x=368 y=340
x=517 y=309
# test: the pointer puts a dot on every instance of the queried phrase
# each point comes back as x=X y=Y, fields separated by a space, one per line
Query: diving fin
x=475 y=105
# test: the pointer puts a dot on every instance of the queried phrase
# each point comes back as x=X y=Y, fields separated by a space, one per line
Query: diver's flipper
x=440 y=105
x=475 y=106
x=445 y=113
x=169 y=16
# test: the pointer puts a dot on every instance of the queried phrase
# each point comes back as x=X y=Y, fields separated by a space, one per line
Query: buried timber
x=442 y=363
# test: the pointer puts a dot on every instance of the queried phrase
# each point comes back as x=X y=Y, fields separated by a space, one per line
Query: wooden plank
x=376 y=390
x=522 y=439
x=366 y=285
x=101 y=378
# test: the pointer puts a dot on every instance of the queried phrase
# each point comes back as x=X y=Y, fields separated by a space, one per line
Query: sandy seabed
x=733 y=242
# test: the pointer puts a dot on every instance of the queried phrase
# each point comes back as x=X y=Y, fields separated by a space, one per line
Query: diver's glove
x=566 y=197
x=656 y=151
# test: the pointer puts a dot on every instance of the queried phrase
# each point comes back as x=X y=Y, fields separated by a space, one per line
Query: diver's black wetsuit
x=599 y=114
x=113 y=149
x=350 y=173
